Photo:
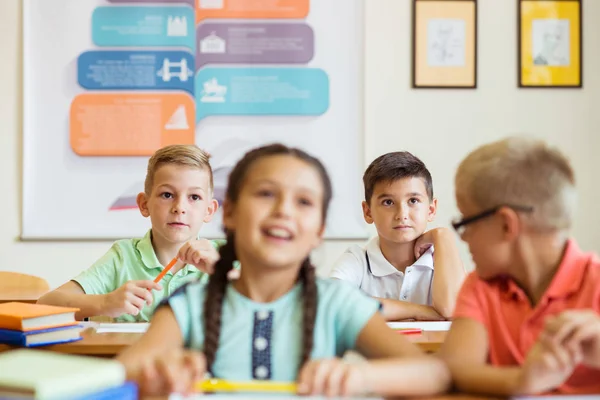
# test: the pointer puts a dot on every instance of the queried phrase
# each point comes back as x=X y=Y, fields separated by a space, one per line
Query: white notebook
x=126 y=327
x=424 y=325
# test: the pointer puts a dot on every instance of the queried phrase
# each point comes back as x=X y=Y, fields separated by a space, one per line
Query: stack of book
x=45 y=375
x=30 y=325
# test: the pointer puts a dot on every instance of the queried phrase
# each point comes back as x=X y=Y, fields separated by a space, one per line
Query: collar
x=571 y=272
x=148 y=255
x=380 y=266
x=568 y=279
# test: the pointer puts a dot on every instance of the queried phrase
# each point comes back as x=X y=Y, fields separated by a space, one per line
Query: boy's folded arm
x=449 y=273
x=465 y=351
x=396 y=310
x=71 y=294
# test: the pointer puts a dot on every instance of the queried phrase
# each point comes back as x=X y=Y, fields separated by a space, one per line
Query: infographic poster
x=108 y=82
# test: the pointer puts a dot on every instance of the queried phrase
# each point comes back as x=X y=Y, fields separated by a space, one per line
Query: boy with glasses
x=526 y=321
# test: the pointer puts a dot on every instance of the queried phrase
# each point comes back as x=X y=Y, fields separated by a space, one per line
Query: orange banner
x=130 y=124
x=251 y=9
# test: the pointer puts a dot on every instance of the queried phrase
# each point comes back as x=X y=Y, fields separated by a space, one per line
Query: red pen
x=408 y=331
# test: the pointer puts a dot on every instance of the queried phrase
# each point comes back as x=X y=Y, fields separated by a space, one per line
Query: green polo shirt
x=134 y=260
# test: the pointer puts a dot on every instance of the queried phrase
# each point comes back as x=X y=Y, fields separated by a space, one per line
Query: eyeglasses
x=460 y=225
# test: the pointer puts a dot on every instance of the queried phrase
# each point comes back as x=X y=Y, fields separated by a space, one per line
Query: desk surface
x=110 y=344
x=428 y=341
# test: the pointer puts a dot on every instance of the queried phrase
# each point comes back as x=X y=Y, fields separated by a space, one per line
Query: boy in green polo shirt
x=178 y=199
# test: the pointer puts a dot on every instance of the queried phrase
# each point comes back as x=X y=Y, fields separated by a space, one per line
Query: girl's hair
x=218 y=280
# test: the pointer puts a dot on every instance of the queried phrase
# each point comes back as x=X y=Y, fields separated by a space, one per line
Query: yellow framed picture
x=444 y=44
x=550 y=38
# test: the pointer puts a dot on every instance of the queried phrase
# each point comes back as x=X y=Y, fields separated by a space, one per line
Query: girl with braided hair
x=277 y=321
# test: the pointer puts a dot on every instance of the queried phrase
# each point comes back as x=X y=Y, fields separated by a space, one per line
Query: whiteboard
x=76 y=186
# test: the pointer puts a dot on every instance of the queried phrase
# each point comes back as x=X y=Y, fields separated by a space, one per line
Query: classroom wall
x=438 y=126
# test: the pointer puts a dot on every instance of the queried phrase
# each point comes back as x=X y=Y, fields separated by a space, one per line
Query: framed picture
x=550 y=43
x=444 y=44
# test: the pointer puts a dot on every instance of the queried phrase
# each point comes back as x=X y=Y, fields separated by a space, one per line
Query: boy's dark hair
x=393 y=166
x=218 y=280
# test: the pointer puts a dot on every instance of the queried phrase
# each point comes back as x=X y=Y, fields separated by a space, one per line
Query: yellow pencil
x=219 y=385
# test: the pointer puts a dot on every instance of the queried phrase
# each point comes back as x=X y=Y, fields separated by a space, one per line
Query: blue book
x=42 y=337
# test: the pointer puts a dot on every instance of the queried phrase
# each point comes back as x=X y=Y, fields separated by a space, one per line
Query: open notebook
x=424 y=325
x=133 y=327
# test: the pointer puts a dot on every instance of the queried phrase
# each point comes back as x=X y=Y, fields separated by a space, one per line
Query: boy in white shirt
x=397 y=266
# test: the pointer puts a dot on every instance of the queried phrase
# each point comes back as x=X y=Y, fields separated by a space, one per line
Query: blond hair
x=188 y=155
x=524 y=172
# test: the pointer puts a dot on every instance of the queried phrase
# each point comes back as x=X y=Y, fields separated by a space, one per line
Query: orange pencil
x=164 y=271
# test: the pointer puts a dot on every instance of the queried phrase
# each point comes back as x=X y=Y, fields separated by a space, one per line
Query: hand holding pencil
x=198 y=252
x=130 y=298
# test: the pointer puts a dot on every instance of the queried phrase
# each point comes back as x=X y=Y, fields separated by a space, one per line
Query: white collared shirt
x=367 y=269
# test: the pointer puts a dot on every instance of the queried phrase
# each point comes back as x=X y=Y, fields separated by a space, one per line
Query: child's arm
x=158 y=363
x=128 y=299
x=396 y=310
x=449 y=272
x=465 y=351
x=406 y=370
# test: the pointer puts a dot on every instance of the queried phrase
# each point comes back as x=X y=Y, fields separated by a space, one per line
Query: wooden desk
x=110 y=344
x=428 y=341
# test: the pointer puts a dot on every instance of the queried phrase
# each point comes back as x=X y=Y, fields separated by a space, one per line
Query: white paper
x=446 y=41
x=122 y=327
x=551 y=42
x=424 y=325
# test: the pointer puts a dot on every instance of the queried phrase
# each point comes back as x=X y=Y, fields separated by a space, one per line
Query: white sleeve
x=348 y=268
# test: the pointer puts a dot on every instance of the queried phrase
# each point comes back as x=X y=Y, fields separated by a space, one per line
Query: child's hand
x=332 y=377
x=428 y=239
x=547 y=366
x=129 y=298
x=577 y=330
x=175 y=372
x=200 y=253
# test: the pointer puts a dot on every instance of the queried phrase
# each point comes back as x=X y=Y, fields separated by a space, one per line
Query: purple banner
x=264 y=43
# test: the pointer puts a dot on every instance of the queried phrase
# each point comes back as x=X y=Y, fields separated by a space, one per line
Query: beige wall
x=438 y=126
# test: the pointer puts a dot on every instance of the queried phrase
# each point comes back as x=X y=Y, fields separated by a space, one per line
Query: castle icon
x=176 y=26
x=213 y=44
